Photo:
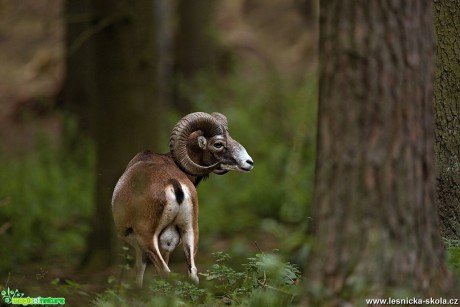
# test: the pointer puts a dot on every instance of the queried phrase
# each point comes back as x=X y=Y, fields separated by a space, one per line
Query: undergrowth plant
x=264 y=280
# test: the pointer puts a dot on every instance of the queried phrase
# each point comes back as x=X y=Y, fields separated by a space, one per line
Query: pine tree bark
x=127 y=110
x=447 y=115
x=374 y=216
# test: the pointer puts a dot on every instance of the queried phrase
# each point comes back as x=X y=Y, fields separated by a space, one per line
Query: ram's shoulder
x=150 y=157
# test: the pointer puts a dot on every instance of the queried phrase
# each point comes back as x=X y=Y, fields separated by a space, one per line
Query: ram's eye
x=218 y=145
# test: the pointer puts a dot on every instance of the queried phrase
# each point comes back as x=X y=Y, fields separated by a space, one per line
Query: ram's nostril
x=249 y=162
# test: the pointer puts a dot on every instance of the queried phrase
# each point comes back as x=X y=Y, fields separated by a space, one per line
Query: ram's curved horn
x=179 y=136
x=221 y=118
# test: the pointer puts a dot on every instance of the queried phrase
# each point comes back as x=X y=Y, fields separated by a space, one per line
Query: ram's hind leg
x=140 y=258
x=153 y=253
x=190 y=241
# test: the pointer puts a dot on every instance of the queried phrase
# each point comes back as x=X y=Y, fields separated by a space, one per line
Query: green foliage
x=68 y=287
x=225 y=280
x=264 y=281
x=264 y=274
x=45 y=200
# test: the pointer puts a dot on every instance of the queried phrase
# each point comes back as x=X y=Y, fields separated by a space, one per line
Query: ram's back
x=139 y=196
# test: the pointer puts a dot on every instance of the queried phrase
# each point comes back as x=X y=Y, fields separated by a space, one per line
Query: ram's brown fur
x=155 y=202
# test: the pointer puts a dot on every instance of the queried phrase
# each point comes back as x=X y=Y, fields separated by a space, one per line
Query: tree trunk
x=165 y=41
x=127 y=111
x=79 y=84
x=374 y=218
x=195 y=46
x=447 y=115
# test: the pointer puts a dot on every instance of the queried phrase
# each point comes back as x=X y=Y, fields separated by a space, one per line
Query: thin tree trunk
x=374 y=217
x=127 y=111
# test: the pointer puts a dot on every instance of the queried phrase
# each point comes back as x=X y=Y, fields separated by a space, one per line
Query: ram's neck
x=195 y=153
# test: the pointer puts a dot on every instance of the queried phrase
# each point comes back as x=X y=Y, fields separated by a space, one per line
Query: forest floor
x=61 y=277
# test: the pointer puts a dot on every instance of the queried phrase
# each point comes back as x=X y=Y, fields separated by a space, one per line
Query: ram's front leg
x=189 y=237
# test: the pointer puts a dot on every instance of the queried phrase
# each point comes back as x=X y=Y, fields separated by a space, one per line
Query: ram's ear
x=202 y=142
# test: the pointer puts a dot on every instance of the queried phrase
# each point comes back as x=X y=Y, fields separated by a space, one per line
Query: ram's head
x=200 y=144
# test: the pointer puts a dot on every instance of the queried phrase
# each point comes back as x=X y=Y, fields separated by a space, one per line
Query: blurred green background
x=262 y=77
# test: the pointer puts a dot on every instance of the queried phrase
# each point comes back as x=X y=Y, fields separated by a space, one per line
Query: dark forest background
x=85 y=85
